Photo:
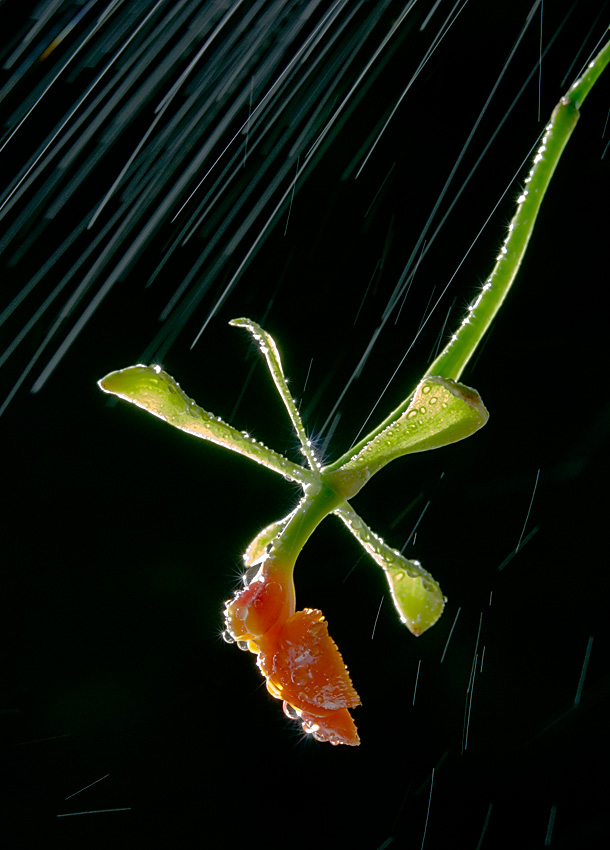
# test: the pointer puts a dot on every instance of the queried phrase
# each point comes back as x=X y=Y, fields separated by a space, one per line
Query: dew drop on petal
x=300 y=675
x=291 y=712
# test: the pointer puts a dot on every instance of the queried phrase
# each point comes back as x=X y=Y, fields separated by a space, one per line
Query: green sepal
x=440 y=412
x=259 y=546
x=417 y=597
x=152 y=389
x=270 y=352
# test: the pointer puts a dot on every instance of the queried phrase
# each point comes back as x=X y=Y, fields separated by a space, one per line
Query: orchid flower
x=296 y=654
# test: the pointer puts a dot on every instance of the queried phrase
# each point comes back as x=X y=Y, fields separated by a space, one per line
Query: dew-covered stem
x=481 y=313
x=318 y=502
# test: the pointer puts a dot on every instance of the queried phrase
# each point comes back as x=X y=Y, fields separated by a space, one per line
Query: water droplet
x=291 y=712
x=399 y=576
x=243 y=645
x=422 y=409
x=228 y=637
x=426 y=389
x=241 y=612
x=300 y=675
x=411 y=414
x=275 y=689
x=433 y=400
x=251 y=574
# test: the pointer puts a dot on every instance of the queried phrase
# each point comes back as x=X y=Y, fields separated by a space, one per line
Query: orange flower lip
x=303 y=661
x=265 y=601
x=304 y=668
x=338 y=728
x=297 y=656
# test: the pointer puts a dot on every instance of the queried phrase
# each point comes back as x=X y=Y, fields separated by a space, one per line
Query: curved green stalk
x=454 y=357
x=452 y=360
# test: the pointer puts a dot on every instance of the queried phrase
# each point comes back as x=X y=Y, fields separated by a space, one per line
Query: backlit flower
x=297 y=656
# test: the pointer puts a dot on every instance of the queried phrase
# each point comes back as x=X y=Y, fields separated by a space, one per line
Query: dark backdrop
x=122 y=538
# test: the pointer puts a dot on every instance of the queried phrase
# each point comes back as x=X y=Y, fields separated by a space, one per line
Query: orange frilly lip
x=297 y=656
x=304 y=668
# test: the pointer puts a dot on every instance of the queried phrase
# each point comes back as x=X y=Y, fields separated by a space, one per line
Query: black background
x=122 y=538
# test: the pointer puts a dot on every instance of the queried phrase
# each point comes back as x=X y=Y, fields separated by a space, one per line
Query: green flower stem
x=456 y=354
x=317 y=503
x=581 y=88
x=452 y=360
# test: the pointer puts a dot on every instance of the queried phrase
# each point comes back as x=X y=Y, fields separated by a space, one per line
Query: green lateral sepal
x=152 y=389
x=441 y=412
x=417 y=597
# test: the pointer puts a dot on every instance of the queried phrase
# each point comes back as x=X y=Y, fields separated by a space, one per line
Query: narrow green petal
x=441 y=412
x=269 y=349
x=152 y=389
x=258 y=546
x=416 y=595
